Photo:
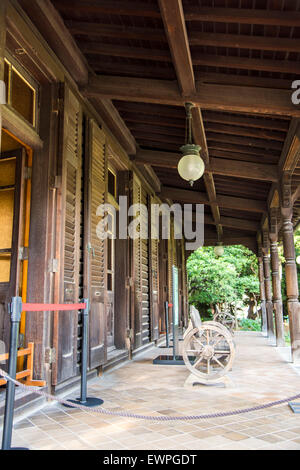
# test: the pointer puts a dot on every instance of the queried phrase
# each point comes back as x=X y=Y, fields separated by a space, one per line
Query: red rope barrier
x=51 y=307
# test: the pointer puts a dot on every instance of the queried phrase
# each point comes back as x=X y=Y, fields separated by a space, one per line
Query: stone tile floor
x=260 y=374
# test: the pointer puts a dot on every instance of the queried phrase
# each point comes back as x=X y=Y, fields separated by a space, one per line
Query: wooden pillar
x=2 y=52
x=276 y=281
x=277 y=299
x=290 y=268
x=262 y=293
x=268 y=284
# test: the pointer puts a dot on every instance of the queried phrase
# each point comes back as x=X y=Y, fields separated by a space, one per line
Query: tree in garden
x=223 y=281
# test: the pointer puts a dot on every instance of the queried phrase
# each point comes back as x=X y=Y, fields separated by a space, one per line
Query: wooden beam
x=116 y=124
x=245 y=63
x=199 y=133
x=242 y=121
x=246 y=132
x=245 y=141
x=234 y=79
x=243 y=150
x=114 y=31
x=230 y=202
x=255 y=171
x=232 y=222
x=135 y=70
x=268 y=159
x=291 y=149
x=219 y=166
x=241 y=224
x=164 y=130
x=243 y=16
x=212 y=197
x=153 y=119
x=111 y=50
x=51 y=25
x=17 y=125
x=174 y=23
x=2 y=55
x=107 y=7
x=208 y=96
x=240 y=41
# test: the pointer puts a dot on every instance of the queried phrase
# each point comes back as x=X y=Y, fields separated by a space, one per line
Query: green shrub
x=246 y=324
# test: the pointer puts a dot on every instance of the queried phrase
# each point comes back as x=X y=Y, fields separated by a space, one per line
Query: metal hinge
x=50 y=355
x=21 y=340
x=27 y=173
x=58 y=106
x=53 y=265
x=23 y=253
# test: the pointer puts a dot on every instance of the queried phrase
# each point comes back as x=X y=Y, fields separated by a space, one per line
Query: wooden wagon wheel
x=208 y=352
x=227 y=319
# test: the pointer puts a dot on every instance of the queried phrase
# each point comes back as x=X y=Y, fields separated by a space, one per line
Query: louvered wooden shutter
x=154 y=290
x=145 y=273
x=71 y=196
x=137 y=262
x=171 y=260
x=97 y=246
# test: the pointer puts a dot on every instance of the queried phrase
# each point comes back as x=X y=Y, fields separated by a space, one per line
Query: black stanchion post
x=167 y=323
x=84 y=353
x=84 y=399
x=15 y=310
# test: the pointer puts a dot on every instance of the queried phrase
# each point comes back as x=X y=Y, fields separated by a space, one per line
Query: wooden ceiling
x=235 y=59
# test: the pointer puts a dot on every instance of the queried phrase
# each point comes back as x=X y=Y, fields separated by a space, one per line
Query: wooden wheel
x=226 y=319
x=208 y=352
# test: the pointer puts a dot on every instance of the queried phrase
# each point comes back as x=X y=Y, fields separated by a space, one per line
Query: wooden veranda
x=136 y=63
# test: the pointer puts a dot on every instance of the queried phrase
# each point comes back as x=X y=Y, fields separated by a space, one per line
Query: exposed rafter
x=175 y=29
x=230 y=202
x=208 y=96
x=243 y=15
x=240 y=41
x=219 y=166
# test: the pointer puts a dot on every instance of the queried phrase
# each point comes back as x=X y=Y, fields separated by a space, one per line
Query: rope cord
x=126 y=414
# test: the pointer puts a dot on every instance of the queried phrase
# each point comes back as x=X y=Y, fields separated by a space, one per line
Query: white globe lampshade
x=191 y=167
x=219 y=250
x=298 y=259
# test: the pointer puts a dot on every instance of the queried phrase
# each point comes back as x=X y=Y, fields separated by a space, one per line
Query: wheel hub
x=208 y=351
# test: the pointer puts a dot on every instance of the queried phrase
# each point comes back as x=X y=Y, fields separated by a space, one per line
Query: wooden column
x=268 y=285
x=276 y=281
x=277 y=299
x=2 y=50
x=262 y=292
x=290 y=268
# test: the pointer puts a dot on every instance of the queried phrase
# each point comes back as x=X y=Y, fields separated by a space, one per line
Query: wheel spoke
x=198 y=341
x=207 y=336
x=224 y=353
x=198 y=361
x=220 y=339
x=193 y=351
x=208 y=366
x=217 y=360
